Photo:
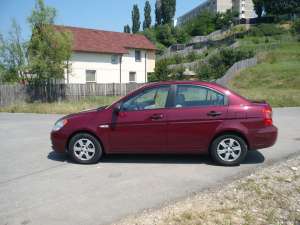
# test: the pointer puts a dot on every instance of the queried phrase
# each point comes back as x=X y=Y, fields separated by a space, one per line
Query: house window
x=90 y=76
x=138 y=56
x=114 y=59
x=132 y=77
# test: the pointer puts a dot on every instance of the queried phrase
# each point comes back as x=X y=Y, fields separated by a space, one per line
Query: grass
x=63 y=107
x=275 y=79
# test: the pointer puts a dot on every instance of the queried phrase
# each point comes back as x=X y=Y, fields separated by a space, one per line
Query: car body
x=176 y=117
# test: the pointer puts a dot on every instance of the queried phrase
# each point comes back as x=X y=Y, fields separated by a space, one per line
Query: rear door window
x=196 y=96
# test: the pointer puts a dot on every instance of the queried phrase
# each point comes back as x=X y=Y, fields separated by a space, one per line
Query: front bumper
x=58 y=141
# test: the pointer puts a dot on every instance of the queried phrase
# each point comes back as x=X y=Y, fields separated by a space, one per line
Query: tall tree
x=259 y=7
x=173 y=9
x=136 y=23
x=147 y=15
x=158 y=13
x=48 y=49
x=168 y=9
x=279 y=7
x=127 y=29
x=13 y=56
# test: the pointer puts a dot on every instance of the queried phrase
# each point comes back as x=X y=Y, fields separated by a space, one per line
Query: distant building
x=245 y=8
x=109 y=57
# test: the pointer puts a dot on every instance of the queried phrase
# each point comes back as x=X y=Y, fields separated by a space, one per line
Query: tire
x=85 y=149
x=229 y=150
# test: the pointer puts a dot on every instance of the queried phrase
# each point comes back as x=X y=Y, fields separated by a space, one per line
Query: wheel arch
x=86 y=132
x=230 y=132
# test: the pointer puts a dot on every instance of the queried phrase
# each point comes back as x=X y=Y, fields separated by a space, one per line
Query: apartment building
x=245 y=8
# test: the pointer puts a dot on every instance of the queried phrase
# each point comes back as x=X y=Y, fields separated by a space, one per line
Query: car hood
x=84 y=112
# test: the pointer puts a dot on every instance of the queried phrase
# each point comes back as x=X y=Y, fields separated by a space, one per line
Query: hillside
x=276 y=78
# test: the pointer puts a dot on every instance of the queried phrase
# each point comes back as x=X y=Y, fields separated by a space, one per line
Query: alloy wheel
x=84 y=149
x=229 y=149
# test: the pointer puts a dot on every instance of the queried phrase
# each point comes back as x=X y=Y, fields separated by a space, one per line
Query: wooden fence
x=10 y=94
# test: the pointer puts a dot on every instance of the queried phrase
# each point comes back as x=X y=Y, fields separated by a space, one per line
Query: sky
x=109 y=15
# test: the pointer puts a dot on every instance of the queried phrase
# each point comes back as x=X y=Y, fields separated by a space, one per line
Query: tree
x=49 y=49
x=168 y=9
x=158 y=13
x=279 y=7
x=203 y=24
x=147 y=15
x=259 y=7
x=224 y=20
x=136 y=23
x=173 y=9
x=127 y=29
x=164 y=35
x=13 y=59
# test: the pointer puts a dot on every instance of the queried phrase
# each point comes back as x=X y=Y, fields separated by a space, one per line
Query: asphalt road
x=38 y=186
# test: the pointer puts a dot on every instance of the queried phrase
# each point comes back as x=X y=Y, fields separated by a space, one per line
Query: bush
x=266 y=30
x=177 y=74
x=161 y=71
x=220 y=62
x=256 y=32
x=296 y=27
x=180 y=35
x=205 y=72
x=192 y=56
x=255 y=40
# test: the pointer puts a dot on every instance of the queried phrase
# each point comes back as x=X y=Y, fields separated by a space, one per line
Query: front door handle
x=157 y=117
x=214 y=113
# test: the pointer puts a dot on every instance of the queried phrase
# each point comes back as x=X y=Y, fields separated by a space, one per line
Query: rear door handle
x=214 y=113
x=157 y=117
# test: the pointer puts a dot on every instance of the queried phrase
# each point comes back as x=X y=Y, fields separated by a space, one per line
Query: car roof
x=204 y=83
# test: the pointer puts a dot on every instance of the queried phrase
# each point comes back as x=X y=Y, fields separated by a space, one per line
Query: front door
x=196 y=114
x=141 y=126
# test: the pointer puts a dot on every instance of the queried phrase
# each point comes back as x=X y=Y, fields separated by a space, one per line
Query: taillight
x=268 y=121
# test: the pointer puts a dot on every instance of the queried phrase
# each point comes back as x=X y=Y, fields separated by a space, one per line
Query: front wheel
x=85 y=149
x=229 y=150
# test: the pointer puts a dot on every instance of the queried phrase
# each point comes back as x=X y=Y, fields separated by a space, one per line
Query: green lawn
x=64 y=107
x=275 y=79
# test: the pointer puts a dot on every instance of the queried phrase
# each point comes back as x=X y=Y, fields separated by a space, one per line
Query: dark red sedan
x=169 y=118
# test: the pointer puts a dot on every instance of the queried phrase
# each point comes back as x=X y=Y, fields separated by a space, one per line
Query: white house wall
x=106 y=72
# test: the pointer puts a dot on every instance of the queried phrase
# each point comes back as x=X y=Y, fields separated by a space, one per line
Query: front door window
x=155 y=98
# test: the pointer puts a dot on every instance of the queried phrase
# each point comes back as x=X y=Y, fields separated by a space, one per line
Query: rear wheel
x=85 y=149
x=229 y=150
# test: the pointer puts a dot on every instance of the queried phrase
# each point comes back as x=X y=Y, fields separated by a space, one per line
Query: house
x=245 y=8
x=108 y=57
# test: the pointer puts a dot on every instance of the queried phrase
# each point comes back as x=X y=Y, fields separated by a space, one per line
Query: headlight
x=59 y=124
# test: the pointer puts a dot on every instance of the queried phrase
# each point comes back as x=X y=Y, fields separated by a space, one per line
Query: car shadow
x=253 y=157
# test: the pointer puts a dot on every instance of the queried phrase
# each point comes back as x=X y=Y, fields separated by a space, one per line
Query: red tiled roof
x=98 y=41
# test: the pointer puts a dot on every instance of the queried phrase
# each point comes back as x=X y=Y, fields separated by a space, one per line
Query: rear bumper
x=58 y=141
x=263 y=138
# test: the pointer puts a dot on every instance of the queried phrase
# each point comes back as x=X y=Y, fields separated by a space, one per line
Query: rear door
x=197 y=112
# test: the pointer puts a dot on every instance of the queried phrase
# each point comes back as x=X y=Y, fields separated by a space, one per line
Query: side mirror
x=117 y=108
